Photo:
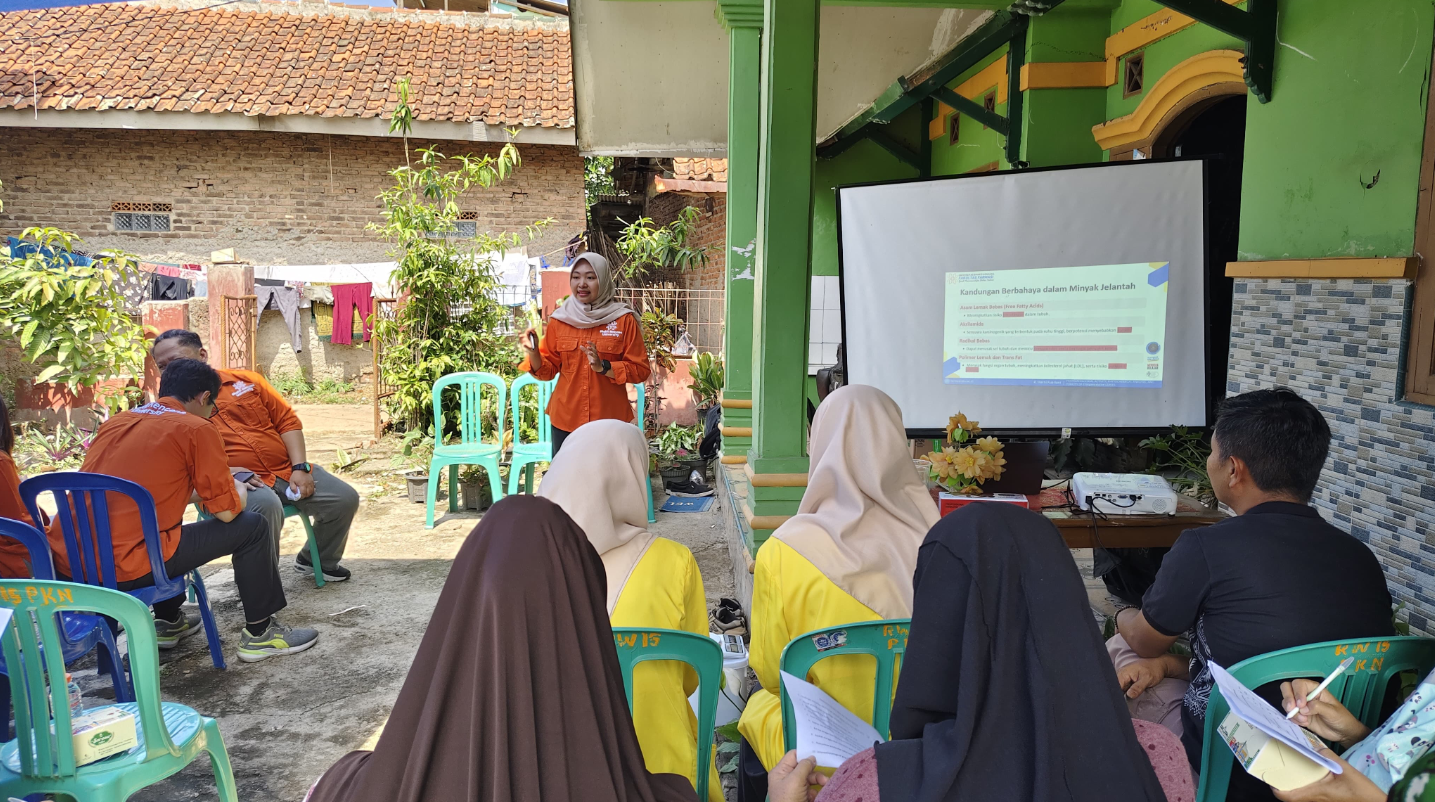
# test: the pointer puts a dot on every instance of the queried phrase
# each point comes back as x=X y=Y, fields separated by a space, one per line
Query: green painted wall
x=1352 y=106
x=863 y=162
x=976 y=146
x=1056 y=126
x=1162 y=55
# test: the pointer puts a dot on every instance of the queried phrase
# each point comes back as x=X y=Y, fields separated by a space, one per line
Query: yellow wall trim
x=1065 y=75
x=776 y=479
x=736 y=403
x=737 y=431
x=763 y=522
x=994 y=75
x=1336 y=267
x=1146 y=30
x=735 y=459
x=1216 y=71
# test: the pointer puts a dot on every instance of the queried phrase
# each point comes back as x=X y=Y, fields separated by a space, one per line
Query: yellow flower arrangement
x=964 y=469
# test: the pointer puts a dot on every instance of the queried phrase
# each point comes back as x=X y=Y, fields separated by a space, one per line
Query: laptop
x=1025 y=463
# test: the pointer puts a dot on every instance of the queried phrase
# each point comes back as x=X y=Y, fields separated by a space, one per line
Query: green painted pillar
x=786 y=164
x=1056 y=123
x=743 y=20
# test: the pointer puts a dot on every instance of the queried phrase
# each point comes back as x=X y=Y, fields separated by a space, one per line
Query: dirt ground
x=286 y=719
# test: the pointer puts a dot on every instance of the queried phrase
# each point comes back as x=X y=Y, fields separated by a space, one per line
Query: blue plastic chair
x=638 y=644
x=885 y=640
x=80 y=632
x=1361 y=689
x=170 y=735
x=642 y=406
x=471 y=449
x=85 y=520
x=526 y=455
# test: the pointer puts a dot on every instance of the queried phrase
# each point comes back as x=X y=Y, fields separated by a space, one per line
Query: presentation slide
x=1089 y=326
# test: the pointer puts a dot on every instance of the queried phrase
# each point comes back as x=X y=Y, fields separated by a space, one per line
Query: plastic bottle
x=76 y=703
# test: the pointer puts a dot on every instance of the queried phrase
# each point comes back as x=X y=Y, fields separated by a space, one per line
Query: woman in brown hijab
x=515 y=693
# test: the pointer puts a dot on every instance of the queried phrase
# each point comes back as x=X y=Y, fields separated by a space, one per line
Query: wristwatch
x=607 y=367
x=303 y=466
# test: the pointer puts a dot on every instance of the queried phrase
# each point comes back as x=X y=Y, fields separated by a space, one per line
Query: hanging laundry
x=324 y=320
x=169 y=288
x=317 y=293
x=347 y=298
x=286 y=300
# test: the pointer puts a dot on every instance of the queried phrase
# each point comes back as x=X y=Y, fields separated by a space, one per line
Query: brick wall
x=277 y=198
x=711 y=232
x=1339 y=344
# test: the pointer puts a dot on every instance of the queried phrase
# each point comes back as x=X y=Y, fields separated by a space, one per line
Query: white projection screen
x=1031 y=301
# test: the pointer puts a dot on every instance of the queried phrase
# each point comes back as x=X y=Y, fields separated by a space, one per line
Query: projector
x=1123 y=494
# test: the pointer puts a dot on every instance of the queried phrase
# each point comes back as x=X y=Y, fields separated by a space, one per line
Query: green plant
x=1181 y=457
x=598 y=178
x=707 y=374
x=62 y=448
x=646 y=247
x=343 y=460
x=728 y=745
x=677 y=443
x=660 y=332
x=451 y=320
x=324 y=391
x=67 y=317
x=415 y=450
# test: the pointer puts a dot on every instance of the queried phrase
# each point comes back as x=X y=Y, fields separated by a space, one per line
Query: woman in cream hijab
x=594 y=344
x=847 y=556
x=598 y=480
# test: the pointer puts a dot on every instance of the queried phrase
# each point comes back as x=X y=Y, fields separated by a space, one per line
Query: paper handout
x=1259 y=714
x=826 y=730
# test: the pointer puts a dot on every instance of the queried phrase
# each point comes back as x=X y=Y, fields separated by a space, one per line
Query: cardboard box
x=102 y=732
x=948 y=503
x=1269 y=760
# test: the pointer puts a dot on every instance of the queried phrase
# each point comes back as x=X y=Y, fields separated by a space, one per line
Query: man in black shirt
x=1274 y=577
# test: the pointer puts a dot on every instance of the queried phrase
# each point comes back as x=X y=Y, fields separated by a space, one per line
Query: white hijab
x=604 y=309
x=865 y=512
x=598 y=479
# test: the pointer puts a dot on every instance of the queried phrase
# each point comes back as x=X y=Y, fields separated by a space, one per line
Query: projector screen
x=1031 y=301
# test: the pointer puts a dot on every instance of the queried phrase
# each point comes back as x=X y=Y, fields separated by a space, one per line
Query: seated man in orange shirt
x=170 y=448
x=263 y=435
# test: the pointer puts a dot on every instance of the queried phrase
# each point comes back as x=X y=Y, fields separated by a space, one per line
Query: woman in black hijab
x=515 y=693
x=1006 y=692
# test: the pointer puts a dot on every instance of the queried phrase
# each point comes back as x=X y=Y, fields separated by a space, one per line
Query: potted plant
x=707 y=375
x=416 y=452
x=473 y=484
x=677 y=452
x=964 y=462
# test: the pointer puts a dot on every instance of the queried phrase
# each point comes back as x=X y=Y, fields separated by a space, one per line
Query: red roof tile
x=288 y=58
x=700 y=169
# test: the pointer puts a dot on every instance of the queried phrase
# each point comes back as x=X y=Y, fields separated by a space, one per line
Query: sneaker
x=727 y=617
x=336 y=574
x=170 y=633
x=692 y=487
x=277 y=639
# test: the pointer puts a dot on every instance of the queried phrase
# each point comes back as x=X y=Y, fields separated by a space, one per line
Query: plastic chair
x=1361 y=688
x=81 y=632
x=85 y=519
x=885 y=640
x=471 y=448
x=291 y=511
x=526 y=455
x=171 y=735
x=642 y=406
x=637 y=645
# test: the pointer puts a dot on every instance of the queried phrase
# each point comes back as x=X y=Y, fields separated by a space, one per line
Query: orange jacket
x=14 y=557
x=251 y=415
x=582 y=395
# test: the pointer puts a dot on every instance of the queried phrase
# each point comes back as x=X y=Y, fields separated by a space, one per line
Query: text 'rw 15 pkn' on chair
x=525 y=456
x=1361 y=689
x=637 y=645
x=472 y=447
x=80 y=633
x=171 y=735
x=885 y=640
x=84 y=516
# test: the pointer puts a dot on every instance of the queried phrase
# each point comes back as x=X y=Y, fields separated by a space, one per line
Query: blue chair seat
x=184 y=725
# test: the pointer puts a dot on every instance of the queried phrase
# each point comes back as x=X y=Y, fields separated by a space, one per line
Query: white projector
x=1123 y=494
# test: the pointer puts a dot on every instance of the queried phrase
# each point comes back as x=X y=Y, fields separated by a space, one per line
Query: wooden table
x=1083 y=531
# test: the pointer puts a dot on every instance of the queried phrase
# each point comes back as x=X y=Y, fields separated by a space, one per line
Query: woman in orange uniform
x=14 y=558
x=847 y=556
x=595 y=345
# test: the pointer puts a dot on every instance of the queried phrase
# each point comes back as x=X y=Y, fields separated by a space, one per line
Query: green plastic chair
x=1361 y=689
x=171 y=735
x=637 y=645
x=642 y=406
x=525 y=456
x=885 y=640
x=290 y=511
x=471 y=449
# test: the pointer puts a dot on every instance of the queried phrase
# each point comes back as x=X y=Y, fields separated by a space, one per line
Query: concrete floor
x=286 y=719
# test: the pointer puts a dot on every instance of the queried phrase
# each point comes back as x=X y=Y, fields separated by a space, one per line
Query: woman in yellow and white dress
x=599 y=480
x=847 y=556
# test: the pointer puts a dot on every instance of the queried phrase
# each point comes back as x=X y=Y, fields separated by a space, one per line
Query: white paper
x=1246 y=704
x=826 y=730
x=6 y=614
